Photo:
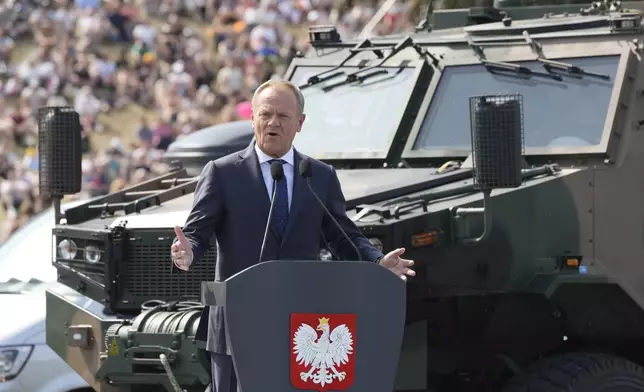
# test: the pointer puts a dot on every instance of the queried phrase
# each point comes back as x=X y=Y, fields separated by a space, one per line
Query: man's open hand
x=181 y=250
x=397 y=264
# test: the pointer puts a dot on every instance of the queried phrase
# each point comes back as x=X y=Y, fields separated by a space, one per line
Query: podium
x=313 y=325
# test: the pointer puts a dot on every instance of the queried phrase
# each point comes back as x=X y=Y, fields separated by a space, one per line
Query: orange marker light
x=424 y=239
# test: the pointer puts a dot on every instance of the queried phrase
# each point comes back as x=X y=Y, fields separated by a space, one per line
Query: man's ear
x=301 y=121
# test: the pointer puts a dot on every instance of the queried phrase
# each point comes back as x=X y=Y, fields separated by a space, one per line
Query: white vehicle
x=27 y=363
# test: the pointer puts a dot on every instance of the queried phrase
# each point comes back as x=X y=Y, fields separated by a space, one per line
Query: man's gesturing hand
x=397 y=264
x=181 y=250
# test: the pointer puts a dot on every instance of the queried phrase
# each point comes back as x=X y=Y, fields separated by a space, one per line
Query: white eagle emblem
x=323 y=354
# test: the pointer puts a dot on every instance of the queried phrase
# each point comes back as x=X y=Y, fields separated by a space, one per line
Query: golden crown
x=324 y=321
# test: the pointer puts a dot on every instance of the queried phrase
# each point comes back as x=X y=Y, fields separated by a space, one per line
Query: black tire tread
x=560 y=373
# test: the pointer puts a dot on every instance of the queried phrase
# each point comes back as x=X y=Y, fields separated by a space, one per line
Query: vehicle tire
x=580 y=372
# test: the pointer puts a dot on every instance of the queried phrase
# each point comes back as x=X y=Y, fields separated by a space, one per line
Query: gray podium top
x=313 y=325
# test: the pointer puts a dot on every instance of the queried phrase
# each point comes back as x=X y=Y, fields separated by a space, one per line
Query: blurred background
x=143 y=73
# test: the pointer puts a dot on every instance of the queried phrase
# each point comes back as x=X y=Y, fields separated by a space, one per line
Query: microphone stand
x=268 y=221
x=337 y=225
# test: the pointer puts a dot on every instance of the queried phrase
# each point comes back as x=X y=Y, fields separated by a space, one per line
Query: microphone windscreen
x=305 y=168
x=277 y=171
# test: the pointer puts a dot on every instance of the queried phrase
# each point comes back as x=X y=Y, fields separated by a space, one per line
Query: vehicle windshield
x=569 y=113
x=27 y=254
x=352 y=118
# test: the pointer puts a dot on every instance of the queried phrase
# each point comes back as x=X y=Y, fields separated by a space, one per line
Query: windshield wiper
x=519 y=69
x=503 y=66
x=571 y=69
x=405 y=43
x=364 y=45
x=550 y=65
x=354 y=78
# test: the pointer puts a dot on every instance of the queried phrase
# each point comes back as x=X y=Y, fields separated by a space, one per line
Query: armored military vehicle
x=530 y=286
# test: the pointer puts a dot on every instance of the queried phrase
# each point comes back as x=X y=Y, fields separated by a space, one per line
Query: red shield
x=323 y=351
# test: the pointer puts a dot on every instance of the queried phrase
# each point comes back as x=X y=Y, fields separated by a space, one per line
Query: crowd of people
x=192 y=63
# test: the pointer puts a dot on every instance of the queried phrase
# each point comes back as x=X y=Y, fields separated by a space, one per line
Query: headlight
x=67 y=249
x=12 y=360
x=325 y=254
x=376 y=242
x=92 y=254
x=79 y=250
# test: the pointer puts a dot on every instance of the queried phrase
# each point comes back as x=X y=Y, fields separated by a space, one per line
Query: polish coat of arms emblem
x=322 y=351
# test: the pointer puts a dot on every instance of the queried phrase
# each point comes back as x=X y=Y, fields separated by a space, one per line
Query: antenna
x=424 y=24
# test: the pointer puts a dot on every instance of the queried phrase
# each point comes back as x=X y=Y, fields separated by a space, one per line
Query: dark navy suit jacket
x=231 y=203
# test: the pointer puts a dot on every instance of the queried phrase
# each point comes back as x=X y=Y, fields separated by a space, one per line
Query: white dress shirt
x=289 y=169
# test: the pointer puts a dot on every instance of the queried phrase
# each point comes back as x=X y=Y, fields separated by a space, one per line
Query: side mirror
x=59 y=153
x=496 y=123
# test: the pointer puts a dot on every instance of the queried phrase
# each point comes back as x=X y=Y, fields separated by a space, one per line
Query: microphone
x=306 y=172
x=277 y=172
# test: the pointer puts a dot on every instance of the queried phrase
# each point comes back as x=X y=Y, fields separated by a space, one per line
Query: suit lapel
x=258 y=186
x=299 y=193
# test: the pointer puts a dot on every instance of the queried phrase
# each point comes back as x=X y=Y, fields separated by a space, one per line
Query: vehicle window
x=353 y=117
x=27 y=253
x=568 y=113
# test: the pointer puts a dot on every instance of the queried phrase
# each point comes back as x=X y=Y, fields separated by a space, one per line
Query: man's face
x=276 y=119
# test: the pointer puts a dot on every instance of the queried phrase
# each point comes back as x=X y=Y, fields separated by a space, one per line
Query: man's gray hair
x=281 y=84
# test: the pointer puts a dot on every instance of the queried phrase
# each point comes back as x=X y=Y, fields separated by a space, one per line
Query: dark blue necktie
x=280 y=207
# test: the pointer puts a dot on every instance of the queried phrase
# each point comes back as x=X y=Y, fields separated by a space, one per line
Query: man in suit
x=232 y=201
